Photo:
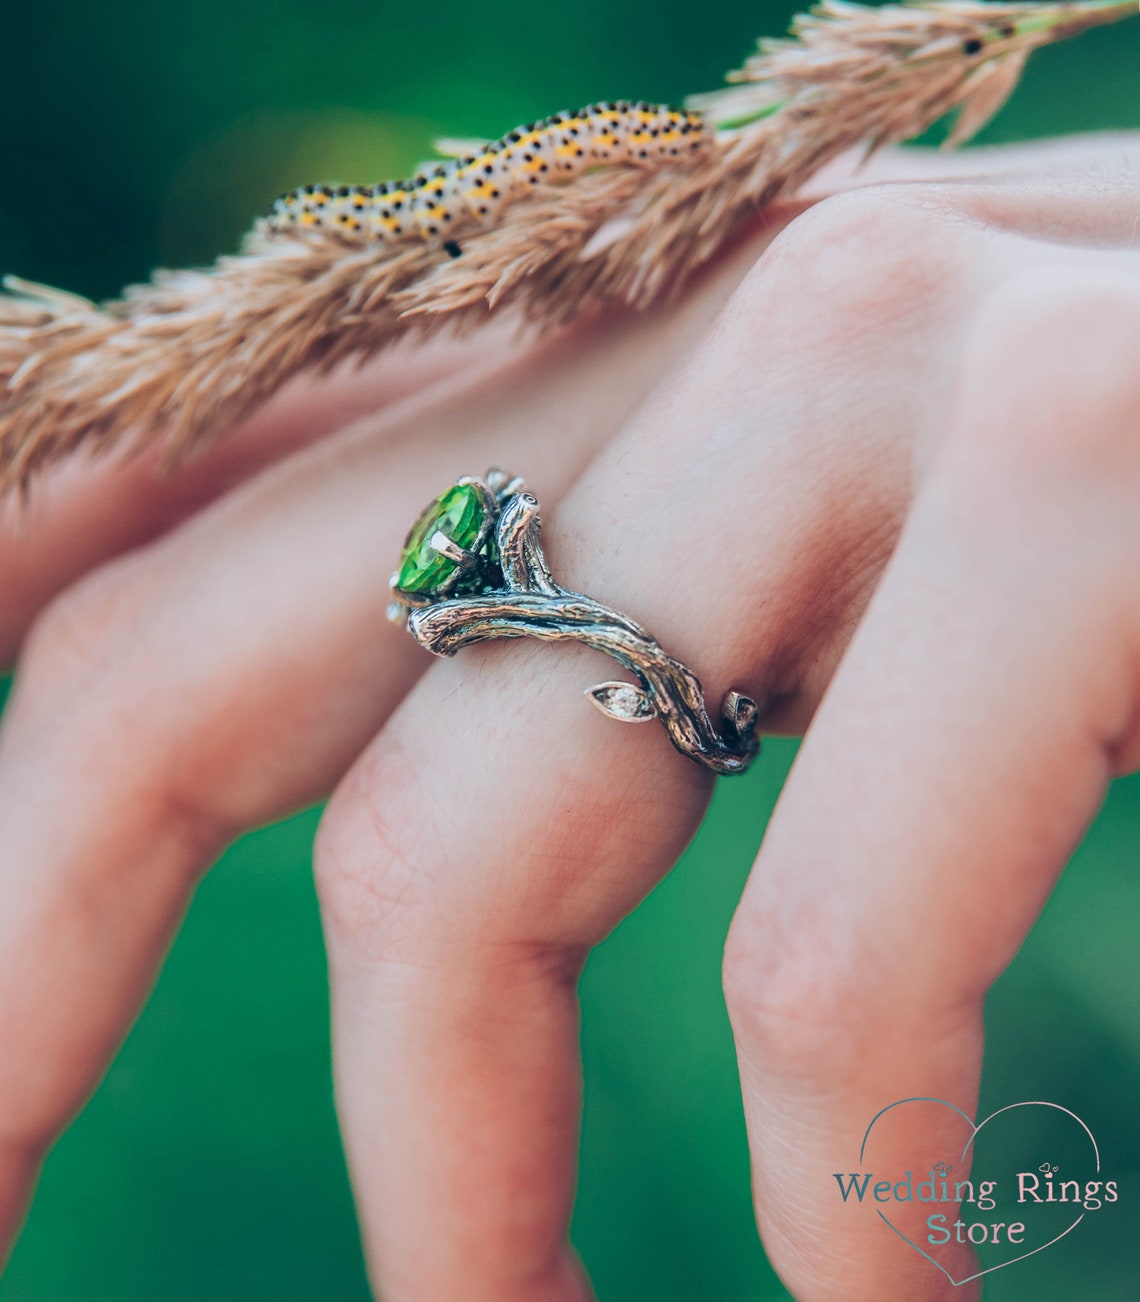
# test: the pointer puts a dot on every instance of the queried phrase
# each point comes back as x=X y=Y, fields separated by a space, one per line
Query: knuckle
x=858 y=259
x=810 y=991
x=87 y=673
x=86 y=631
x=1051 y=374
x=369 y=857
x=91 y=677
x=859 y=215
x=791 y=1005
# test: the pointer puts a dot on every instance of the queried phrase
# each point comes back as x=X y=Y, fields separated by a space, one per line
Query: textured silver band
x=501 y=587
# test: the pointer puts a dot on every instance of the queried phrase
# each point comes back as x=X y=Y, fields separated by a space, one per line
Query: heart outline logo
x=975 y=1130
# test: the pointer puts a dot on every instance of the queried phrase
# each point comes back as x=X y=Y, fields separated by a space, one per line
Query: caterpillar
x=475 y=188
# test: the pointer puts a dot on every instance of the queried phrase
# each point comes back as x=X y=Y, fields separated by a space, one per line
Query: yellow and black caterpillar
x=476 y=188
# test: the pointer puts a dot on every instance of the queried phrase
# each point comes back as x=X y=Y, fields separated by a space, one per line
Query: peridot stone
x=459 y=513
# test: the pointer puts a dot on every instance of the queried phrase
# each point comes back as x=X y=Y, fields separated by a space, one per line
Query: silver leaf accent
x=623 y=701
x=739 y=714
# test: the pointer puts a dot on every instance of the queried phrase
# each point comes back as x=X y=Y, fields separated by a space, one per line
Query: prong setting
x=440 y=542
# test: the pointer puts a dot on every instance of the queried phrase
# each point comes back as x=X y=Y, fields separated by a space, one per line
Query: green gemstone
x=459 y=513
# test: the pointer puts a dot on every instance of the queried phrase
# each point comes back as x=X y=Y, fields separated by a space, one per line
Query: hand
x=911 y=429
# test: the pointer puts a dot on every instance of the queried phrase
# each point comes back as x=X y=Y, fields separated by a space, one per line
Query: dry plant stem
x=187 y=356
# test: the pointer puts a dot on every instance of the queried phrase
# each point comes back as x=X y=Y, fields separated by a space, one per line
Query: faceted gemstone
x=459 y=513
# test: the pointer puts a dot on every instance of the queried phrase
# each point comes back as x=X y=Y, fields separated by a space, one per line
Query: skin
x=887 y=454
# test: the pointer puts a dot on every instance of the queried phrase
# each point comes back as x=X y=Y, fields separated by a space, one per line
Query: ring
x=472 y=569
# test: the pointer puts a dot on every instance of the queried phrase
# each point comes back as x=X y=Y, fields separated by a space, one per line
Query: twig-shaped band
x=526 y=602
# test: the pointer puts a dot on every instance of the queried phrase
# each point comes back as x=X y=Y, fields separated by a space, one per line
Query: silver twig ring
x=472 y=569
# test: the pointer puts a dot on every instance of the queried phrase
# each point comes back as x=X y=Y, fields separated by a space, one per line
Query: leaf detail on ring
x=739 y=714
x=623 y=701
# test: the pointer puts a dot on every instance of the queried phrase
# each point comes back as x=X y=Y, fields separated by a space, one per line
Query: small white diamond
x=623 y=701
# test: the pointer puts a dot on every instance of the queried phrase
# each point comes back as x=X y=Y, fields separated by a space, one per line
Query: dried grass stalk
x=185 y=357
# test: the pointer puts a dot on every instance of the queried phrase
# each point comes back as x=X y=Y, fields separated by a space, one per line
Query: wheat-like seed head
x=185 y=357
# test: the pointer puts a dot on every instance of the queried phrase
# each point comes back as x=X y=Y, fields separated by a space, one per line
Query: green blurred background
x=208 y=1164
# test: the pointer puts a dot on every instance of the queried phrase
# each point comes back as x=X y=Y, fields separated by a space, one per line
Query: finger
x=1081 y=190
x=960 y=753
x=498 y=827
x=85 y=513
x=222 y=676
x=1114 y=155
